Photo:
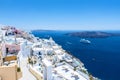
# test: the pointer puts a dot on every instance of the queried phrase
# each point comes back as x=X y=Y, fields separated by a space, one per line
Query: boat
x=85 y=41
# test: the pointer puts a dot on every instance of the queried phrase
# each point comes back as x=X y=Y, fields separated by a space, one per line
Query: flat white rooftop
x=59 y=51
x=68 y=73
x=46 y=62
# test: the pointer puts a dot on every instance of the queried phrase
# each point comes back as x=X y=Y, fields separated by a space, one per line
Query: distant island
x=42 y=30
x=93 y=34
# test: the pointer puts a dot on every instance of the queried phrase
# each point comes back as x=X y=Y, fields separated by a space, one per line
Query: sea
x=101 y=57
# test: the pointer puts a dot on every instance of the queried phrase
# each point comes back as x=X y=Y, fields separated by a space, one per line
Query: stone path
x=26 y=74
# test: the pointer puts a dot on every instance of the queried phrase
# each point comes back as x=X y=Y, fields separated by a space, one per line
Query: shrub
x=18 y=69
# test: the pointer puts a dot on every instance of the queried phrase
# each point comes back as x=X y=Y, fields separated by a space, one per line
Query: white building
x=47 y=70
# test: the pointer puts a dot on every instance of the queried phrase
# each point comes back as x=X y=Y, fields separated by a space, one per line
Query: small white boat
x=85 y=41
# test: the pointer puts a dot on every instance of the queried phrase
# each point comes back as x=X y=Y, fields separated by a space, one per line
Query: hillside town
x=26 y=57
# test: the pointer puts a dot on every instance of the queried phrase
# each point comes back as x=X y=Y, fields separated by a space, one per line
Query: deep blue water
x=101 y=57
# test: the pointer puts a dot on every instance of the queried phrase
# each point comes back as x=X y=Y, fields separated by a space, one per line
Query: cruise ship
x=26 y=57
x=85 y=41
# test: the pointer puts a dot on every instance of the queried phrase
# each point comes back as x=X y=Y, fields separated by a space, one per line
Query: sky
x=61 y=14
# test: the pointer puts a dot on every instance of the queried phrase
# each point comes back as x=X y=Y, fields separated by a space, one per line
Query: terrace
x=68 y=73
